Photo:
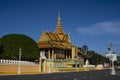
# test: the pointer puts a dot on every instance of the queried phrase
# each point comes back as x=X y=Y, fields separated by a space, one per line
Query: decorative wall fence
x=4 y=61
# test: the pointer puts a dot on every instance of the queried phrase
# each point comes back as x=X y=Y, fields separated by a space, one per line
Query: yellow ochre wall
x=13 y=68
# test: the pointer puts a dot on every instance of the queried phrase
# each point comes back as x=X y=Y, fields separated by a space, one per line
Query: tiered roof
x=58 y=39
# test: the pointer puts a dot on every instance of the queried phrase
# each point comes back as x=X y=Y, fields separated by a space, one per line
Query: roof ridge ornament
x=69 y=37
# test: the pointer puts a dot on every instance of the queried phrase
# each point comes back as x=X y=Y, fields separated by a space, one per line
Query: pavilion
x=57 y=52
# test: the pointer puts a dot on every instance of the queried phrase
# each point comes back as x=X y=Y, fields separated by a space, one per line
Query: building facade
x=57 y=52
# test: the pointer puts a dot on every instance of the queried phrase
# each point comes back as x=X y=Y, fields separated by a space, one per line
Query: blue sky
x=95 y=23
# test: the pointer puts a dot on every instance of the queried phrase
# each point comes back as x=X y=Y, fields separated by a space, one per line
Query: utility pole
x=20 y=53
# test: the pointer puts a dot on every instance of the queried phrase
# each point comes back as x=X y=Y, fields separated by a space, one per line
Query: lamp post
x=19 y=70
x=113 y=68
x=112 y=60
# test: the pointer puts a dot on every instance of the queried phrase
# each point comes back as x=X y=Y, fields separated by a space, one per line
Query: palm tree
x=85 y=49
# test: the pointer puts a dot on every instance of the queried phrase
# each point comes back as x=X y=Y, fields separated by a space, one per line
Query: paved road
x=87 y=75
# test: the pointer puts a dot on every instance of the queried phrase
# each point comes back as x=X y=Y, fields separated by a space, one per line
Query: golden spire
x=59 y=29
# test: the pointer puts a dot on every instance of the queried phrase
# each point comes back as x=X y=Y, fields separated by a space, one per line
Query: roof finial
x=59 y=13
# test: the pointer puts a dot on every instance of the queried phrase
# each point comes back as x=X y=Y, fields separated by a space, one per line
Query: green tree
x=1 y=47
x=11 y=44
x=95 y=58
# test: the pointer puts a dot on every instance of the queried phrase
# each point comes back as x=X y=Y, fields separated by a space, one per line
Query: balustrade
x=4 y=61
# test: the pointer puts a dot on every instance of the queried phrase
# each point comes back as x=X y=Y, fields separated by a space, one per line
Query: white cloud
x=101 y=29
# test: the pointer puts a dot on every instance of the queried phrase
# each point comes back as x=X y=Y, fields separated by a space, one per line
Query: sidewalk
x=23 y=73
x=118 y=72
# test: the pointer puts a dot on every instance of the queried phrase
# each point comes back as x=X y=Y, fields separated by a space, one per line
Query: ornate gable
x=44 y=37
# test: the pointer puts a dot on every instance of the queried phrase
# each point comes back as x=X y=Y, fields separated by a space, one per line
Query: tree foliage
x=95 y=58
x=10 y=45
x=1 y=47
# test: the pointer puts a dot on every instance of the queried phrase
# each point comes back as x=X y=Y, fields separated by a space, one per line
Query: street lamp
x=113 y=68
x=111 y=56
x=19 y=70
